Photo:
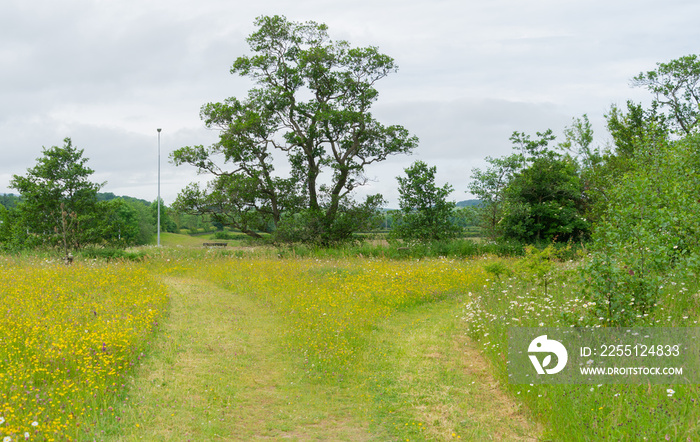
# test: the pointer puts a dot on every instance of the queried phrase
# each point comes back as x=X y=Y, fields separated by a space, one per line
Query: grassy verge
x=427 y=381
x=218 y=372
x=526 y=293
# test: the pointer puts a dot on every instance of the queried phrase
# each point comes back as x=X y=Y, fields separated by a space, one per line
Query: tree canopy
x=676 y=86
x=425 y=212
x=311 y=106
x=58 y=200
x=536 y=193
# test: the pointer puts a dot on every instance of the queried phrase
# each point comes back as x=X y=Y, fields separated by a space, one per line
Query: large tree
x=536 y=194
x=311 y=105
x=59 y=202
x=676 y=86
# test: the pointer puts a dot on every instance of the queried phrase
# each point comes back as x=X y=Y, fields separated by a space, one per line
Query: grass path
x=432 y=384
x=217 y=372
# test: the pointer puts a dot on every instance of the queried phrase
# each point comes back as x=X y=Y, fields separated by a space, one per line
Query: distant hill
x=468 y=203
x=106 y=196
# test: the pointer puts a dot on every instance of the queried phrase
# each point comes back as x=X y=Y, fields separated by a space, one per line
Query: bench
x=214 y=244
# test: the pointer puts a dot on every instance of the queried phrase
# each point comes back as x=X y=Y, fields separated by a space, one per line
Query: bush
x=651 y=227
x=223 y=235
x=109 y=254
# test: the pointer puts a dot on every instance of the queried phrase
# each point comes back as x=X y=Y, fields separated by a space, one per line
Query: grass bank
x=533 y=293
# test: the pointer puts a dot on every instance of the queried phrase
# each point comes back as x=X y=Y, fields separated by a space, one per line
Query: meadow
x=69 y=334
x=521 y=293
x=195 y=344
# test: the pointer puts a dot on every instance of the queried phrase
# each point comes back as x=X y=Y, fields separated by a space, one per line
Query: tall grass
x=584 y=412
x=68 y=336
x=401 y=251
x=330 y=306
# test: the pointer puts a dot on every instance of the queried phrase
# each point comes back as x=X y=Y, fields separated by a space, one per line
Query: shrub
x=651 y=226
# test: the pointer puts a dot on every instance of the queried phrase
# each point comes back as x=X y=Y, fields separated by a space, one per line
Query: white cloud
x=108 y=74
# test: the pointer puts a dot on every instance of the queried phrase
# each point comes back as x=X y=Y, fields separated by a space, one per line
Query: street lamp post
x=158 y=202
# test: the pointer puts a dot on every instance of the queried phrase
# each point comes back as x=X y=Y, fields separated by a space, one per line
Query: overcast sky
x=108 y=73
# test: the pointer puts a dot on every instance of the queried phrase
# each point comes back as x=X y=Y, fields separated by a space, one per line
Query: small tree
x=59 y=203
x=489 y=186
x=425 y=213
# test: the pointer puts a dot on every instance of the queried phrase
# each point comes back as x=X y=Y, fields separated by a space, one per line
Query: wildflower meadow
x=69 y=334
x=389 y=335
x=330 y=306
x=555 y=296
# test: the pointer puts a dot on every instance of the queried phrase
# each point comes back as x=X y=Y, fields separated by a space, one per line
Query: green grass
x=332 y=345
x=583 y=412
x=327 y=350
x=219 y=372
x=232 y=239
x=428 y=382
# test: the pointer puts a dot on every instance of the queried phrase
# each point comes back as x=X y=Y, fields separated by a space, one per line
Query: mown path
x=217 y=372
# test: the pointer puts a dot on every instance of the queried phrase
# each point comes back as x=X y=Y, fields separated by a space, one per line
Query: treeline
x=561 y=191
x=59 y=207
x=636 y=202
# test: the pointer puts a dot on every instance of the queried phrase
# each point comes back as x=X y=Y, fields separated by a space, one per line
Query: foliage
x=306 y=226
x=5 y=225
x=13 y=236
x=636 y=128
x=425 y=212
x=119 y=223
x=676 y=86
x=9 y=201
x=453 y=249
x=166 y=222
x=651 y=226
x=536 y=194
x=312 y=105
x=497 y=268
x=467 y=216
x=146 y=223
x=110 y=254
x=59 y=203
x=544 y=202
x=489 y=186
x=582 y=412
x=194 y=223
x=129 y=221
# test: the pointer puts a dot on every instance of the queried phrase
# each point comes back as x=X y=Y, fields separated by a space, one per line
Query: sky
x=107 y=74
